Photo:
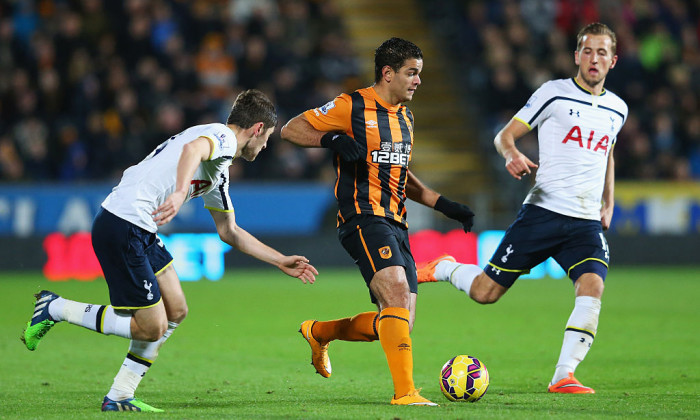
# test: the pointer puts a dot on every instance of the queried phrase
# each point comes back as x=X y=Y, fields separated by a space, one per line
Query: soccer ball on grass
x=464 y=378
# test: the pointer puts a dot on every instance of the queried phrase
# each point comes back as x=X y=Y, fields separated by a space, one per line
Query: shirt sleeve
x=333 y=116
x=537 y=108
x=218 y=199
x=222 y=139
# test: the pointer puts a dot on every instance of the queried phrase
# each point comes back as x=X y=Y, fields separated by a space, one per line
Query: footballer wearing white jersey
x=146 y=185
x=571 y=203
x=576 y=132
x=147 y=301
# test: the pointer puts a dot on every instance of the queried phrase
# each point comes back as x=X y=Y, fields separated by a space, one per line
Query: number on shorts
x=605 y=246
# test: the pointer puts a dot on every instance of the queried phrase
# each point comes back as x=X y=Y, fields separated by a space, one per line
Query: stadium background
x=89 y=87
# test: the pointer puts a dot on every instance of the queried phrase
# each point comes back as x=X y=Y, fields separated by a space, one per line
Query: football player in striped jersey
x=371 y=134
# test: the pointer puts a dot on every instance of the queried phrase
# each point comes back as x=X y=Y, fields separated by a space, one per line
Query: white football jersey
x=146 y=185
x=576 y=133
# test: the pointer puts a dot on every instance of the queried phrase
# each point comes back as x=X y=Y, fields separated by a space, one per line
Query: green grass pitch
x=238 y=354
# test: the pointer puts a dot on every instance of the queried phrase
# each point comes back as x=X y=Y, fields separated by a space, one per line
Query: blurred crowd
x=90 y=87
x=508 y=48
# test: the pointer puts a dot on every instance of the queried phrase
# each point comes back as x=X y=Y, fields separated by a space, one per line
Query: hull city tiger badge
x=385 y=252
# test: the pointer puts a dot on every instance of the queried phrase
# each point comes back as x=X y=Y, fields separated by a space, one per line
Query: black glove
x=456 y=211
x=348 y=149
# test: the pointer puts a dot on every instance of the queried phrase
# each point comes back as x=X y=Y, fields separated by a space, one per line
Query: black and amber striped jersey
x=378 y=185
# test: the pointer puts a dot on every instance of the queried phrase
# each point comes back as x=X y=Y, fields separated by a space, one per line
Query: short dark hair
x=597 y=28
x=252 y=106
x=393 y=53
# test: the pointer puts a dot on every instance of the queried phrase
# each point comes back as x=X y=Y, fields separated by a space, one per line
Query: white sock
x=56 y=308
x=102 y=319
x=124 y=384
x=460 y=275
x=444 y=269
x=116 y=323
x=138 y=360
x=578 y=337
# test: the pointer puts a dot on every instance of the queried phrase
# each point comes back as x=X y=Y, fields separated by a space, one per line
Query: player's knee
x=155 y=331
x=597 y=289
x=392 y=293
x=484 y=296
x=178 y=314
x=397 y=286
x=590 y=284
x=485 y=291
x=594 y=289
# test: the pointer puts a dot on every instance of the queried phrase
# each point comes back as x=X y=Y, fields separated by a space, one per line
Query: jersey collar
x=382 y=102
x=583 y=89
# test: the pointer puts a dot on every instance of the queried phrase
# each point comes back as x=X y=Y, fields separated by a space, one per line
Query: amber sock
x=396 y=342
x=361 y=327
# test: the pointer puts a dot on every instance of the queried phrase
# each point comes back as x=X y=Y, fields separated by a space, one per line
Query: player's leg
x=527 y=242
x=412 y=302
x=469 y=278
x=122 y=249
x=319 y=334
x=360 y=327
x=119 y=248
x=409 y=265
x=142 y=354
x=365 y=241
x=149 y=324
x=581 y=329
x=50 y=308
x=125 y=252
x=390 y=287
x=586 y=260
x=394 y=288
x=590 y=284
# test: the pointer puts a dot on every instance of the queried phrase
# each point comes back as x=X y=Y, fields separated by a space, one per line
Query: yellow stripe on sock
x=102 y=319
x=581 y=330
x=141 y=358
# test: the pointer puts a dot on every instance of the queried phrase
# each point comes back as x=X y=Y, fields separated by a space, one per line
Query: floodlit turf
x=238 y=354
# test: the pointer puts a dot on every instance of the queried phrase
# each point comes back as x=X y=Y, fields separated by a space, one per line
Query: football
x=464 y=378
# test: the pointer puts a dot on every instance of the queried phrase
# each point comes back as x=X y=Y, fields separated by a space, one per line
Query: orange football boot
x=319 y=352
x=412 y=398
x=570 y=385
x=426 y=273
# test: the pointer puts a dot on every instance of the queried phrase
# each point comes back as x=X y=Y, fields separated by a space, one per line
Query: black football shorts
x=130 y=258
x=375 y=243
x=577 y=245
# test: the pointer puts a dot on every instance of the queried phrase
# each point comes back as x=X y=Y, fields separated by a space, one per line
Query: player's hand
x=345 y=146
x=606 y=216
x=166 y=211
x=299 y=267
x=457 y=211
x=519 y=165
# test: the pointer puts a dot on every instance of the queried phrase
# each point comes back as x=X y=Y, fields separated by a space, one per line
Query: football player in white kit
x=147 y=301
x=562 y=216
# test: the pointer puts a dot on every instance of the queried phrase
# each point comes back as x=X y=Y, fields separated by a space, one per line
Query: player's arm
x=300 y=132
x=420 y=193
x=606 y=212
x=229 y=232
x=517 y=164
x=193 y=153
